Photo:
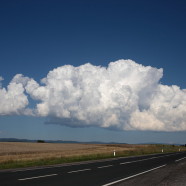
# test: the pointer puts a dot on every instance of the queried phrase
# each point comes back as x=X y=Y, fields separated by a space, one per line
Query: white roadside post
x=162 y=150
x=114 y=152
x=179 y=149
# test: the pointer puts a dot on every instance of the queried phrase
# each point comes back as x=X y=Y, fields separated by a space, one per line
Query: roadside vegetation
x=19 y=155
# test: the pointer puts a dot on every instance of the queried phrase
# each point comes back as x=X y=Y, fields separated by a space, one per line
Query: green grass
x=52 y=161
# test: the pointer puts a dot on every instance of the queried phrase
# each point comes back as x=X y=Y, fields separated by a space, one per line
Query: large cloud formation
x=125 y=95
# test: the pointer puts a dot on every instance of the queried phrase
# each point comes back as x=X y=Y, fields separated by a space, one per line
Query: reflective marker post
x=114 y=153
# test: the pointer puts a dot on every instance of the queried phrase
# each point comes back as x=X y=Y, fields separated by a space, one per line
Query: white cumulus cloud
x=125 y=95
x=13 y=99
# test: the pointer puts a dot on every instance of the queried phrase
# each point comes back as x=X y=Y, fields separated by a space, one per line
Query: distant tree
x=40 y=141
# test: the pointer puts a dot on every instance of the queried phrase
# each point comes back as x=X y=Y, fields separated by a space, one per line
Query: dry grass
x=33 y=151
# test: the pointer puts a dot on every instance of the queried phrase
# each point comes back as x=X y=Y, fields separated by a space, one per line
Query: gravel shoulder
x=171 y=175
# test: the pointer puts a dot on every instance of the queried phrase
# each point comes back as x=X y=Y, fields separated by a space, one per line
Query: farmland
x=22 y=154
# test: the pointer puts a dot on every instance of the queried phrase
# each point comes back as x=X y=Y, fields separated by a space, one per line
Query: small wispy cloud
x=1 y=79
x=125 y=95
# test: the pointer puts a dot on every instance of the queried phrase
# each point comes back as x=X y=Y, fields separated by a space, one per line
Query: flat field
x=30 y=151
x=22 y=154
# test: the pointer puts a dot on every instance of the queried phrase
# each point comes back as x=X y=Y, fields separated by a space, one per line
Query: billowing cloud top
x=125 y=95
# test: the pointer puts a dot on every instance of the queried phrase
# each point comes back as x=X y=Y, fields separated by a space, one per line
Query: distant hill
x=15 y=140
x=90 y=142
x=54 y=141
x=154 y=143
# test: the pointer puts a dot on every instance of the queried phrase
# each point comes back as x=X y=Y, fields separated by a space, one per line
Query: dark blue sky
x=39 y=35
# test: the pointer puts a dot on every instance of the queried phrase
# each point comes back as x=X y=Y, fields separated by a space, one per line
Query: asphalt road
x=172 y=174
x=94 y=173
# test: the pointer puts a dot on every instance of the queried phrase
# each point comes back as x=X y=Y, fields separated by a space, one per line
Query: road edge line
x=180 y=159
x=111 y=183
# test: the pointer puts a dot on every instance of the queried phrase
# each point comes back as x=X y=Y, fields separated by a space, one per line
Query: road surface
x=94 y=173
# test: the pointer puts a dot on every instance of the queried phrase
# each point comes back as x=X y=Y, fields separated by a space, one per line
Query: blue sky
x=38 y=36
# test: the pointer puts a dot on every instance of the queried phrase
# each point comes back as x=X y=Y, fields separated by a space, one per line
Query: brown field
x=22 y=154
x=20 y=151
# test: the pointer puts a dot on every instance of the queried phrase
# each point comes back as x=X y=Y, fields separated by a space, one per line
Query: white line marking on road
x=180 y=159
x=133 y=175
x=36 y=177
x=137 y=160
x=143 y=159
x=105 y=166
x=79 y=170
